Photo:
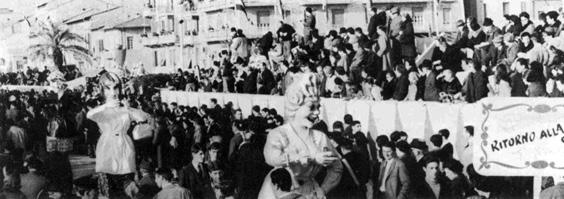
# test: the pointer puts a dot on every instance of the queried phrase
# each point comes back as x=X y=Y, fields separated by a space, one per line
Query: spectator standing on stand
x=309 y=25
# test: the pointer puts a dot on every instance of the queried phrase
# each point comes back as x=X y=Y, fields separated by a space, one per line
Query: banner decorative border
x=537 y=164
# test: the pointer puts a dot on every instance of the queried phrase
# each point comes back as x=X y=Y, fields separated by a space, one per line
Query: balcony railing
x=159 y=40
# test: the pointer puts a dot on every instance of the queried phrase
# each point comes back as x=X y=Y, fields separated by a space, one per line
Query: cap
x=146 y=165
x=417 y=144
x=488 y=22
x=394 y=10
x=509 y=37
x=497 y=39
x=403 y=146
x=459 y=23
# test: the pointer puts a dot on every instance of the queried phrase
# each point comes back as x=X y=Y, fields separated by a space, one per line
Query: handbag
x=142 y=130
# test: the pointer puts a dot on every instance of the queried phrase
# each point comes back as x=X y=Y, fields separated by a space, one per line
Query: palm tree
x=55 y=41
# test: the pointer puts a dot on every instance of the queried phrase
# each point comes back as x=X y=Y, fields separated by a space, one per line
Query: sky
x=23 y=6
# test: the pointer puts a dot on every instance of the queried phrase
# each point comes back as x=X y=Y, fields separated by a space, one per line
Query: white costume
x=287 y=149
x=115 y=153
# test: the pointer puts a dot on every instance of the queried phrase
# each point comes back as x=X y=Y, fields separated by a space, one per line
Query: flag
x=399 y=126
x=281 y=9
x=428 y=131
x=324 y=7
x=244 y=9
x=460 y=141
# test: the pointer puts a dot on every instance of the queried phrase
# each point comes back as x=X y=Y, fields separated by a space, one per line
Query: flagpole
x=435 y=16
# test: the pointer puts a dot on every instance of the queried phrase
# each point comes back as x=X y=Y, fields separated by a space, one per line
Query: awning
x=136 y=57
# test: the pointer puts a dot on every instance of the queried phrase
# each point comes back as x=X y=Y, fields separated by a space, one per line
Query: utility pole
x=436 y=16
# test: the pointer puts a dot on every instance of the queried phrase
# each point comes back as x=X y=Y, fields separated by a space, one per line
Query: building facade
x=495 y=9
x=190 y=32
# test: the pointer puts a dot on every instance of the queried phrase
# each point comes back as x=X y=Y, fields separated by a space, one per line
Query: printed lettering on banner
x=520 y=137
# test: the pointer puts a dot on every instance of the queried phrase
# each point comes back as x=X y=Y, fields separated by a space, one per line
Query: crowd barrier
x=27 y=88
x=418 y=119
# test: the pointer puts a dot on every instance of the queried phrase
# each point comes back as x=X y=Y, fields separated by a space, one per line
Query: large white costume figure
x=296 y=146
x=115 y=154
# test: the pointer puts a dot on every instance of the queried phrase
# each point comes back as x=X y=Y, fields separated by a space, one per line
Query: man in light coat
x=393 y=181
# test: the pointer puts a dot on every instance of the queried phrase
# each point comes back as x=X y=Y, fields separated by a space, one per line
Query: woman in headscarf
x=535 y=80
x=296 y=146
x=115 y=154
x=476 y=35
x=526 y=23
x=407 y=40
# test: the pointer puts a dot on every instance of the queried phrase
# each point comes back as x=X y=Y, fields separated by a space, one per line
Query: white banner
x=418 y=119
x=520 y=137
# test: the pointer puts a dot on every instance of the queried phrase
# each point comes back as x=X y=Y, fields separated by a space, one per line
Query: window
x=129 y=44
x=170 y=22
x=287 y=13
x=172 y=54
x=485 y=10
x=156 y=58
x=16 y=28
x=263 y=18
x=418 y=13
x=505 y=8
x=338 y=17
x=446 y=16
x=101 y=45
x=197 y=24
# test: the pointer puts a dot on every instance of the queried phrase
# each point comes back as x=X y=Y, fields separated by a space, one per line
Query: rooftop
x=138 y=22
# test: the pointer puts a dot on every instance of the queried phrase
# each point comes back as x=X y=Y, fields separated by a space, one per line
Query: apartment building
x=191 y=32
x=495 y=9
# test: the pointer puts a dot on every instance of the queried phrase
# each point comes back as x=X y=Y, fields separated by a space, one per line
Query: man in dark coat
x=402 y=84
x=355 y=174
x=195 y=177
x=493 y=53
x=378 y=18
x=407 y=40
x=518 y=87
x=266 y=80
x=431 y=90
x=448 y=56
x=426 y=189
x=285 y=33
x=249 y=167
x=250 y=83
x=476 y=84
x=309 y=24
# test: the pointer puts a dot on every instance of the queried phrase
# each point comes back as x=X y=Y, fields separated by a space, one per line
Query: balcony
x=211 y=5
x=160 y=40
x=152 y=10
x=189 y=38
x=251 y=32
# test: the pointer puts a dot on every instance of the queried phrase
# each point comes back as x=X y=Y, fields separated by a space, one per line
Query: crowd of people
x=520 y=59
x=212 y=151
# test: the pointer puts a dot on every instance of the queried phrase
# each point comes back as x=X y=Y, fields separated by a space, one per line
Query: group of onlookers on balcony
x=478 y=60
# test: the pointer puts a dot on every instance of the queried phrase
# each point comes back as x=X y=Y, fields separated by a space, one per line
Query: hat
x=488 y=22
x=417 y=144
x=394 y=10
x=509 y=37
x=344 y=142
x=403 y=146
x=497 y=39
x=459 y=23
x=146 y=165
